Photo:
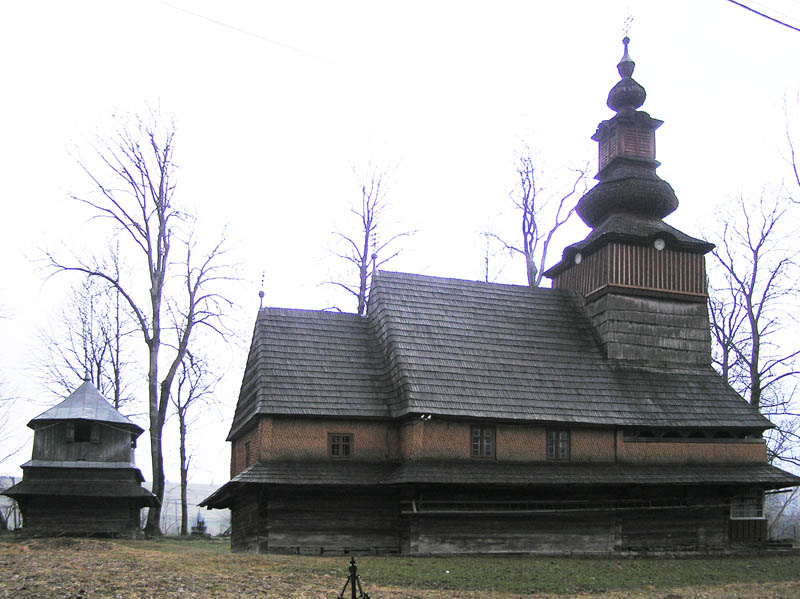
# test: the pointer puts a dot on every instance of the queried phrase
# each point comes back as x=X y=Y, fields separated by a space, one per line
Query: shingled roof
x=461 y=472
x=313 y=363
x=467 y=349
x=86 y=403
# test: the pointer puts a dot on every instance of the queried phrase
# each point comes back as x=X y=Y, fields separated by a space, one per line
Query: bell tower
x=644 y=281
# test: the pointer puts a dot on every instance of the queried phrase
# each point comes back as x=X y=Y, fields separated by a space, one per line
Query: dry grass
x=93 y=569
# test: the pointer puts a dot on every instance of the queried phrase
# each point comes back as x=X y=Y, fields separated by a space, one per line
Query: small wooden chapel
x=469 y=417
x=81 y=478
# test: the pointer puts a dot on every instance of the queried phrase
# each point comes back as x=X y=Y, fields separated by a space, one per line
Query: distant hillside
x=217 y=521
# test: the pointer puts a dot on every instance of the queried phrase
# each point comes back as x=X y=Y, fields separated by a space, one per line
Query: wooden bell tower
x=644 y=281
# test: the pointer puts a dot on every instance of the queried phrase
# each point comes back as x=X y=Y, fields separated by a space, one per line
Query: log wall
x=458 y=520
x=550 y=533
x=248 y=522
x=85 y=516
x=333 y=522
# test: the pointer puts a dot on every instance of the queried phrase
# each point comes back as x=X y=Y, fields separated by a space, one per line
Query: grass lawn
x=90 y=568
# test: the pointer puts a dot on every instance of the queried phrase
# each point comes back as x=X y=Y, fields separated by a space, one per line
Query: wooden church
x=81 y=478
x=466 y=417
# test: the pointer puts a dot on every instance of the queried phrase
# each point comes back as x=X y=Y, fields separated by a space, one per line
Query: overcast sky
x=276 y=103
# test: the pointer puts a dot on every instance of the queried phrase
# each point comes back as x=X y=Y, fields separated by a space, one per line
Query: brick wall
x=520 y=443
x=285 y=438
x=238 y=450
x=590 y=445
x=684 y=452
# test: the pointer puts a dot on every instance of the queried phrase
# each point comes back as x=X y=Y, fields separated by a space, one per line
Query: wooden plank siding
x=333 y=522
x=79 y=515
x=457 y=519
x=637 y=267
x=748 y=532
x=113 y=444
x=248 y=523
x=511 y=533
x=680 y=529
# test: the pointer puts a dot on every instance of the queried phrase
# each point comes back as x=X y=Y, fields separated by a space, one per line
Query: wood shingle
x=468 y=349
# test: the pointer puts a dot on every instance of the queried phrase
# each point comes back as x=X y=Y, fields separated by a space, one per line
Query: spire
x=626 y=65
x=643 y=281
x=630 y=199
x=627 y=95
x=627 y=157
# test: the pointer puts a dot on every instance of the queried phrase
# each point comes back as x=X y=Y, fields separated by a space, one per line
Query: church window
x=558 y=444
x=340 y=445
x=247 y=454
x=483 y=442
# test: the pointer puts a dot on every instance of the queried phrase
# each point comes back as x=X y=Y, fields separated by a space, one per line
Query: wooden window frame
x=555 y=438
x=83 y=432
x=748 y=506
x=483 y=442
x=247 y=455
x=340 y=445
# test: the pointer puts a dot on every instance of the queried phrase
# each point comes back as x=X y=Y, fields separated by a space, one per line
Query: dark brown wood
x=82 y=478
x=113 y=444
x=637 y=266
x=56 y=516
x=748 y=532
x=653 y=331
x=333 y=522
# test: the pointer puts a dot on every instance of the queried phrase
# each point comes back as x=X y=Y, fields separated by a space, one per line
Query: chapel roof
x=86 y=403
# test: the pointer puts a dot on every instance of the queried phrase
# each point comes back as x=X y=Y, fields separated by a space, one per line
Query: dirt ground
x=99 y=569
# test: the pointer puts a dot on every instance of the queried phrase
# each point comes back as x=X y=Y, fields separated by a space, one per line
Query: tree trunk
x=531 y=269
x=153 y=526
x=184 y=475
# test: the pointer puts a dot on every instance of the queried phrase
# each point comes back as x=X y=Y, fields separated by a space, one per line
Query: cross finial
x=626 y=26
x=261 y=292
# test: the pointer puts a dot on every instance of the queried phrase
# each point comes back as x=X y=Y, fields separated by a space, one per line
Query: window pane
x=476 y=441
x=488 y=442
x=551 y=444
x=558 y=445
x=335 y=445
x=749 y=506
x=563 y=444
x=346 y=439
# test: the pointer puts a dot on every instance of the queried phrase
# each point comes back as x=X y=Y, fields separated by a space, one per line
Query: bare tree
x=364 y=249
x=535 y=206
x=6 y=406
x=134 y=190
x=194 y=385
x=490 y=272
x=783 y=511
x=89 y=342
x=754 y=294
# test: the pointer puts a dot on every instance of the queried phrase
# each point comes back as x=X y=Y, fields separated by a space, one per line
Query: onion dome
x=627 y=94
x=630 y=200
x=627 y=158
